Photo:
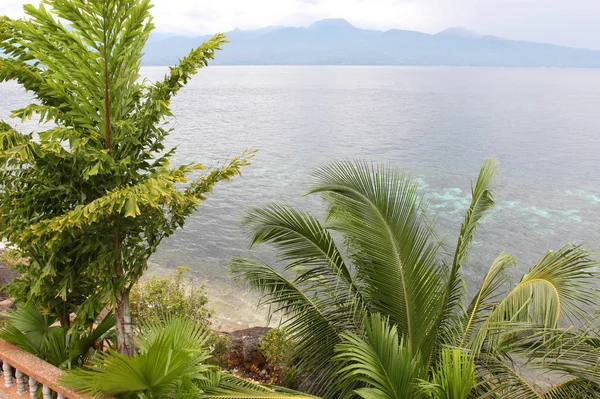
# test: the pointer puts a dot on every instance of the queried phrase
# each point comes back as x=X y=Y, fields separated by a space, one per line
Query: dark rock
x=7 y=275
x=243 y=345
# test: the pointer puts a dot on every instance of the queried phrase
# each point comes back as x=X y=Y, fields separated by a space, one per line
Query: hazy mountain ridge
x=337 y=42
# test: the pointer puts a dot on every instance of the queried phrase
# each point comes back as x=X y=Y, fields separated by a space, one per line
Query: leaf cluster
x=379 y=308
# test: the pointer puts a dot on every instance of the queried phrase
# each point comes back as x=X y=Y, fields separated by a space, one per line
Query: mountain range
x=337 y=42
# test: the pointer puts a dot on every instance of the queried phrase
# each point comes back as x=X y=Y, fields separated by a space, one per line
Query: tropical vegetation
x=375 y=304
x=171 y=363
x=41 y=334
x=88 y=200
x=160 y=297
x=378 y=305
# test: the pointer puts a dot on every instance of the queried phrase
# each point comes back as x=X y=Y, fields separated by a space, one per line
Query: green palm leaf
x=313 y=319
x=226 y=386
x=502 y=381
x=383 y=362
x=453 y=376
x=560 y=287
x=487 y=297
x=570 y=389
x=301 y=240
x=566 y=351
x=481 y=202
x=164 y=362
x=379 y=212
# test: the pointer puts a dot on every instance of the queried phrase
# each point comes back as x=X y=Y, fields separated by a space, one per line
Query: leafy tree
x=383 y=311
x=89 y=199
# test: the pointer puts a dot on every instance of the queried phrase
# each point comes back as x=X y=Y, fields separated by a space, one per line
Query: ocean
x=437 y=123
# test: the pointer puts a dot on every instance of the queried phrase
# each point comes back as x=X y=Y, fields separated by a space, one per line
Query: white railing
x=24 y=373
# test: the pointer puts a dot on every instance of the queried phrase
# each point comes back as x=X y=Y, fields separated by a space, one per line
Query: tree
x=383 y=310
x=90 y=199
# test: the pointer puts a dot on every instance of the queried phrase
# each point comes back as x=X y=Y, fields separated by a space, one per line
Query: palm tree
x=378 y=308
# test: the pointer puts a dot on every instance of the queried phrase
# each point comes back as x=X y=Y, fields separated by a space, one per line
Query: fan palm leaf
x=164 y=362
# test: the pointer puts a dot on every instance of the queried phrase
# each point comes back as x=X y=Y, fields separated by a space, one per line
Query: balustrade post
x=8 y=381
x=46 y=392
x=20 y=382
x=33 y=387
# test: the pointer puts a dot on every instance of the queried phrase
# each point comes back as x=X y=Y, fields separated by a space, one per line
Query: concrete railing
x=24 y=373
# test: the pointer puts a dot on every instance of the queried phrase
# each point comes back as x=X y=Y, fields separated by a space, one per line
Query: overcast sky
x=567 y=22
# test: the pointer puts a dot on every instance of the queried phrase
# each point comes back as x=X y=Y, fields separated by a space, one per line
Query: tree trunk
x=65 y=318
x=125 y=343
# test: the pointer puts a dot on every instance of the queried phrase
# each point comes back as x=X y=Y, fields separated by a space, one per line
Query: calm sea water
x=440 y=123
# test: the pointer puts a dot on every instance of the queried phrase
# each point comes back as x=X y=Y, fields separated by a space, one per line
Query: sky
x=565 y=22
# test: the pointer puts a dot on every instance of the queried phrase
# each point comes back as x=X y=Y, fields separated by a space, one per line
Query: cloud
x=566 y=22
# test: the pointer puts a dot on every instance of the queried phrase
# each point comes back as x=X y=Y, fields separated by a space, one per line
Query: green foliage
x=390 y=287
x=383 y=361
x=88 y=200
x=278 y=349
x=453 y=377
x=12 y=257
x=158 y=298
x=170 y=353
x=171 y=363
x=219 y=345
x=38 y=334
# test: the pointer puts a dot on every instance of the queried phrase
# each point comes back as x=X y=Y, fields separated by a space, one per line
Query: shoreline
x=235 y=308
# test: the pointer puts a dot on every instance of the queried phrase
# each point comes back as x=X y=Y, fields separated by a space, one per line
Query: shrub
x=157 y=298
x=277 y=349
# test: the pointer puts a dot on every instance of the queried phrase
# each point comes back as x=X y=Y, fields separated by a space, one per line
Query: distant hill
x=337 y=42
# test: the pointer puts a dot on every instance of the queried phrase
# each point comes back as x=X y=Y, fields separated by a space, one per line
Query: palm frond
x=383 y=362
x=181 y=332
x=30 y=320
x=487 y=296
x=380 y=213
x=16 y=337
x=301 y=240
x=227 y=386
x=560 y=287
x=566 y=351
x=499 y=380
x=313 y=319
x=453 y=376
x=158 y=369
x=570 y=389
x=481 y=202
